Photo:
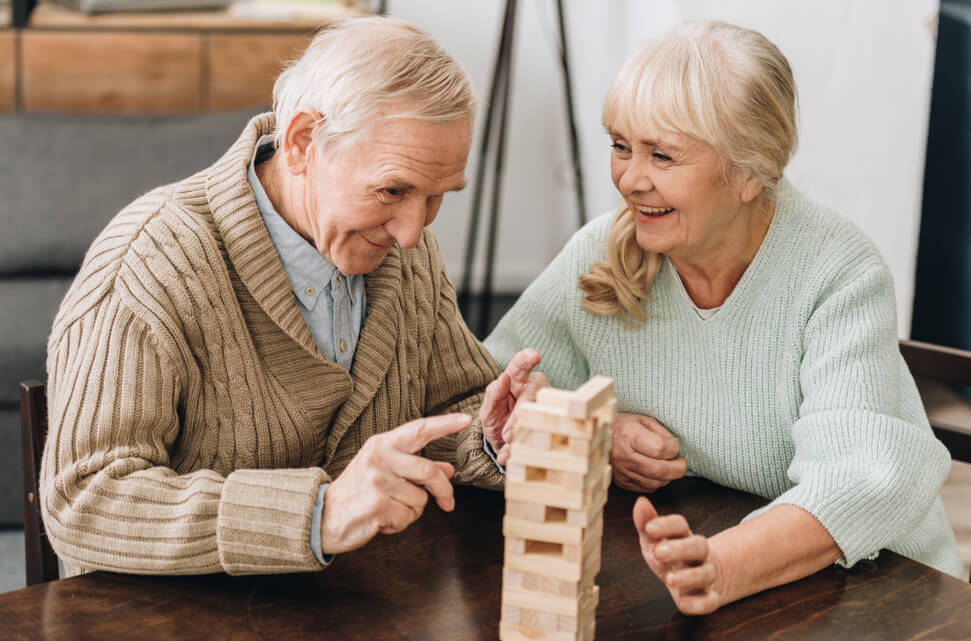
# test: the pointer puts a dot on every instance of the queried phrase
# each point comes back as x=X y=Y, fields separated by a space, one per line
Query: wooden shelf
x=47 y=16
x=156 y=63
x=8 y=70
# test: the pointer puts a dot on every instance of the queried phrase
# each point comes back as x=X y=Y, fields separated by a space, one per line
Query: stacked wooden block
x=556 y=486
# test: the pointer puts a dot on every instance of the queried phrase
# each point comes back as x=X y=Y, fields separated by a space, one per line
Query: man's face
x=364 y=198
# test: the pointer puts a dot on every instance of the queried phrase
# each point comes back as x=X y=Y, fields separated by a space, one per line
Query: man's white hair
x=354 y=69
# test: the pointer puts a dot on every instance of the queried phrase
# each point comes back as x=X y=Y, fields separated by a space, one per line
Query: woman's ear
x=750 y=189
x=298 y=140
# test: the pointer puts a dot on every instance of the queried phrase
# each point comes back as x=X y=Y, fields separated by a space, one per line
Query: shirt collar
x=306 y=268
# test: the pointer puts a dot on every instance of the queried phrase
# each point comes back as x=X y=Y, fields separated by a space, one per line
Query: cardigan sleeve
x=866 y=463
x=458 y=370
x=110 y=499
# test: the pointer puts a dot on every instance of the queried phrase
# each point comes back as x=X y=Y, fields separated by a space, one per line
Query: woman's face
x=677 y=190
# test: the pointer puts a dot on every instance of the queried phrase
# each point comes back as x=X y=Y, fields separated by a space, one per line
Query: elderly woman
x=750 y=331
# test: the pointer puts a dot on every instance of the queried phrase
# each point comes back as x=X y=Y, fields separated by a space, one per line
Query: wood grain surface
x=8 y=70
x=440 y=580
x=243 y=67
x=111 y=73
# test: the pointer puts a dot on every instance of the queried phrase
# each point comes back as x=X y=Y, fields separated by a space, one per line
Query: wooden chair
x=935 y=368
x=38 y=553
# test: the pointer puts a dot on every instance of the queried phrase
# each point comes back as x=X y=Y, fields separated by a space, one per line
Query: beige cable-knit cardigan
x=192 y=416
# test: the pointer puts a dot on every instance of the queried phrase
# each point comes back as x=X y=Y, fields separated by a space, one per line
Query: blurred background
x=100 y=103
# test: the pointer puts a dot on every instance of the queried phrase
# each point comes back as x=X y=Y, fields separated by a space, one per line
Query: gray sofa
x=61 y=179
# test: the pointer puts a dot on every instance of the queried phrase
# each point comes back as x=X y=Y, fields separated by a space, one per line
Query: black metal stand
x=20 y=11
x=498 y=107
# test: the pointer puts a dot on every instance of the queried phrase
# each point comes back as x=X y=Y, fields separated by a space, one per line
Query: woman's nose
x=635 y=178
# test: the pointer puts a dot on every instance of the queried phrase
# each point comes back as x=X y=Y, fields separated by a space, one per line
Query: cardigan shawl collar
x=255 y=259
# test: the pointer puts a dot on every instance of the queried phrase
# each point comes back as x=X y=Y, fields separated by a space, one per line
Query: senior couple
x=263 y=365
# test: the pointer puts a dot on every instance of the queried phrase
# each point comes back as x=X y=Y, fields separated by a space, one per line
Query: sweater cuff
x=318 y=517
x=491 y=453
x=264 y=520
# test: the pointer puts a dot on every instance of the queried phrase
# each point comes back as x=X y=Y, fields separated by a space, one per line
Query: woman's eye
x=662 y=157
x=619 y=147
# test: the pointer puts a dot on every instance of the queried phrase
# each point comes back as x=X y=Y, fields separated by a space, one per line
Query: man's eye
x=392 y=191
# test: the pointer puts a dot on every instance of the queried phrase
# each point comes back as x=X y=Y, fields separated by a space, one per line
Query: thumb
x=493 y=401
x=446 y=468
x=644 y=512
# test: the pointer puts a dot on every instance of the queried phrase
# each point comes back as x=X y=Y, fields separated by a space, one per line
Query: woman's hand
x=682 y=560
x=644 y=454
x=518 y=383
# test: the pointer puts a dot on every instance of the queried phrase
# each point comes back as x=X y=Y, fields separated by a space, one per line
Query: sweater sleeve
x=459 y=369
x=866 y=463
x=541 y=318
x=110 y=499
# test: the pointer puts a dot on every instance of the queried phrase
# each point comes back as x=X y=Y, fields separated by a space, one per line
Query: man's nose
x=408 y=223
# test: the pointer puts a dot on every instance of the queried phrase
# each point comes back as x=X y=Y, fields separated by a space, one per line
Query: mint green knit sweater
x=794 y=390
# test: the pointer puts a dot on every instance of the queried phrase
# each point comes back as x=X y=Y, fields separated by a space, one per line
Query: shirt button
x=340 y=278
x=309 y=291
x=343 y=346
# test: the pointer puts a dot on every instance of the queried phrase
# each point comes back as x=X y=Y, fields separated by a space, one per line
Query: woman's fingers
x=690 y=550
x=700 y=603
x=670 y=526
x=691 y=579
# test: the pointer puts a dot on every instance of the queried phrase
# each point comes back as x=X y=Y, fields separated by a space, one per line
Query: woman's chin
x=653 y=242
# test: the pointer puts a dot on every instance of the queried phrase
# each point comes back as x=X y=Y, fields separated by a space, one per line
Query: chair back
x=41 y=562
x=949 y=413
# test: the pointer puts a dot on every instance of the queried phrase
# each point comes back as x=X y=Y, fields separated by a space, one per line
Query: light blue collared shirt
x=333 y=305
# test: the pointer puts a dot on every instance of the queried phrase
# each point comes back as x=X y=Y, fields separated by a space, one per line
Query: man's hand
x=517 y=383
x=644 y=454
x=385 y=487
x=682 y=560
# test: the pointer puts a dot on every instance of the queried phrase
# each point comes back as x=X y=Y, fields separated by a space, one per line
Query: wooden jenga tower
x=556 y=486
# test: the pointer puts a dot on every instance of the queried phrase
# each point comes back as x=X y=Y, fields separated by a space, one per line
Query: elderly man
x=238 y=376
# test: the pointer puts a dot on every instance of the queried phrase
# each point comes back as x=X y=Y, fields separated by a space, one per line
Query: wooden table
x=440 y=580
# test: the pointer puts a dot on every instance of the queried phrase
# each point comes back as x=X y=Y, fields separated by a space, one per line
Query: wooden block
x=605 y=415
x=110 y=72
x=560 y=479
x=8 y=70
x=546 y=418
x=514 y=633
x=576 y=455
x=553 y=496
x=553 y=565
x=582 y=403
x=541 y=583
x=523 y=624
x=552 y=532
x=244 y=66
x=542 y=601
x=587 y=613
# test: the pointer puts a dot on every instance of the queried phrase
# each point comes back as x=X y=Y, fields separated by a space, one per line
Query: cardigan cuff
x=265 y=519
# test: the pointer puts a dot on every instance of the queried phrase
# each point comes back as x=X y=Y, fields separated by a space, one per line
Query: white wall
x=863 y=69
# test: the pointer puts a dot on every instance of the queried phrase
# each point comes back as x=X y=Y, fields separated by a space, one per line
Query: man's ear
x=750 y=189
x=297 y=144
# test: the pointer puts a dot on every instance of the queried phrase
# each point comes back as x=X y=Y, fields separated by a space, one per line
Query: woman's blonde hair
x=355 y=68
x=717 y=83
